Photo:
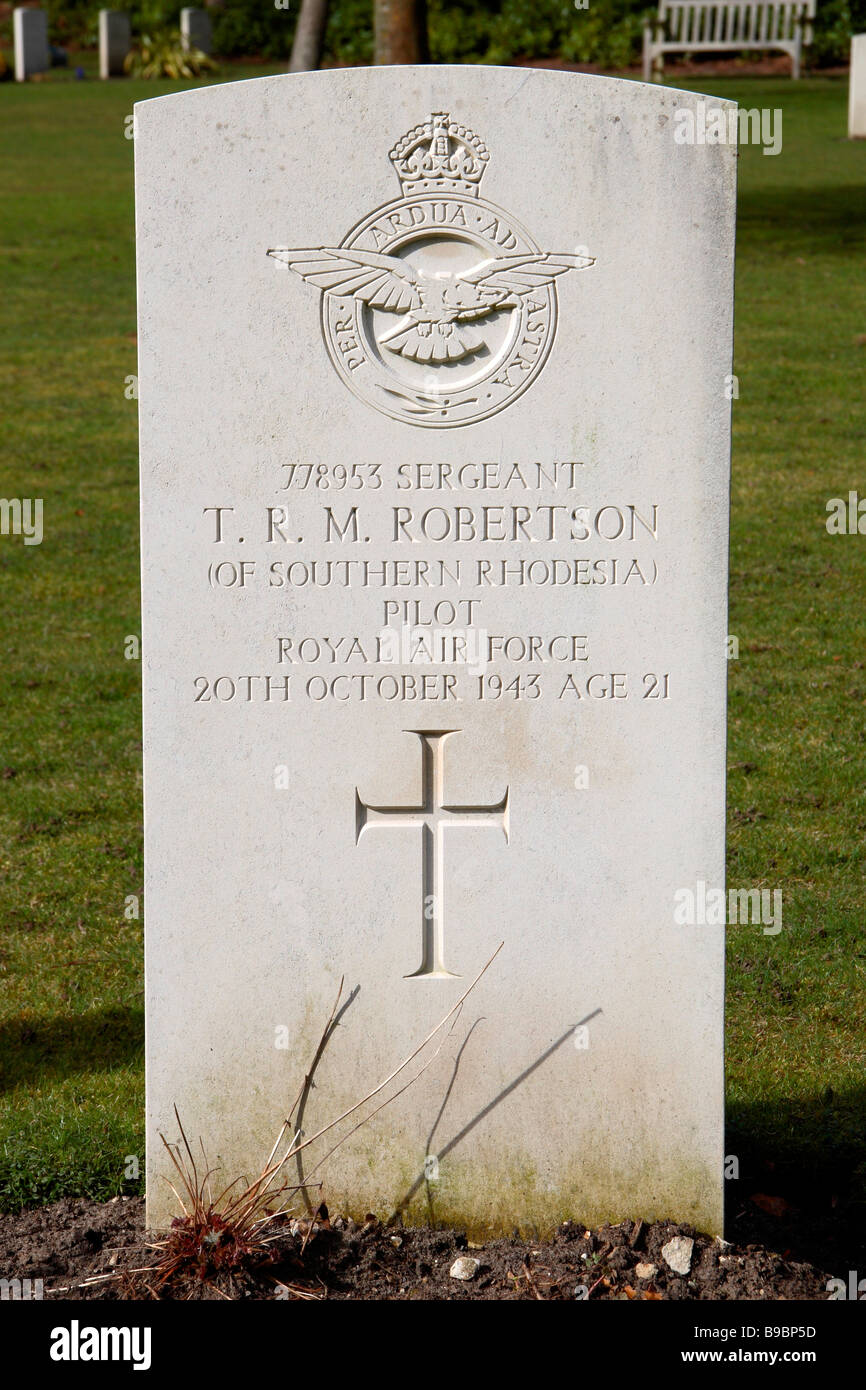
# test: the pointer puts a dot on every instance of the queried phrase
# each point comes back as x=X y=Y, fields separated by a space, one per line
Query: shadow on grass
x=802 y=1178
x=830 y=219
x=54 y=1048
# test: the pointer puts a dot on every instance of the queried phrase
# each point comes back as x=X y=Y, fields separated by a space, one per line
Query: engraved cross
x=433 y=817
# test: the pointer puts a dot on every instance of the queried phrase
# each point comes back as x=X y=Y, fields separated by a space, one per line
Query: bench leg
x=647 y=56
x=795 y=63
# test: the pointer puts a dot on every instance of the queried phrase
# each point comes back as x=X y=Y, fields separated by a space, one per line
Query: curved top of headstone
x=355 y=82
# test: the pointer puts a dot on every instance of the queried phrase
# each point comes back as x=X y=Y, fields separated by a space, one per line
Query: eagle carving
x=437 y=311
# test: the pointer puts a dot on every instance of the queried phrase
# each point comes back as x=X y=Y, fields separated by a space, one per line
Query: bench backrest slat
x=789 y=10
x=803 y=7
x=731 y=22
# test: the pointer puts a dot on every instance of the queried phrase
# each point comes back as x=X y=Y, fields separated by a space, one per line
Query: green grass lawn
x=71 y=1023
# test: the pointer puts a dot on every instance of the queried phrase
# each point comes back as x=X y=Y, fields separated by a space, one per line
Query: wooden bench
x=723 y=26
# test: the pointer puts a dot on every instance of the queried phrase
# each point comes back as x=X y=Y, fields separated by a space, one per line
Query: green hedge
x=486 y=31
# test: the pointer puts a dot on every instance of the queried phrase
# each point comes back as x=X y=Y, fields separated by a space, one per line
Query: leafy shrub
x=163 y=55
x=834 y=24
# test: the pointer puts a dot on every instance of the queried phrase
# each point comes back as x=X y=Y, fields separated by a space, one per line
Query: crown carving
x=440 y=156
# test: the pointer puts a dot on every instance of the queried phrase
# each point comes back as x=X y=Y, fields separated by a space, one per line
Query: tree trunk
x=309 y=36
x=400 y=28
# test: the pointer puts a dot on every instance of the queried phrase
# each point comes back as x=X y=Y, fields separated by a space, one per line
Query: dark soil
x=75 y=1240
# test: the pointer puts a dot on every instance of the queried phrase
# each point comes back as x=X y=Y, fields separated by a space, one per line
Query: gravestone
x=30 y=41
x=857 y=89
x=115 y=40
x=434 y=529
x=195 y=30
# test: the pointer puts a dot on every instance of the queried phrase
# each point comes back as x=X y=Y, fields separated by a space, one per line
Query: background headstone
x=115 y=40
x=857 y=89
x=195 y=30
x=30 y=37
x=486 y=421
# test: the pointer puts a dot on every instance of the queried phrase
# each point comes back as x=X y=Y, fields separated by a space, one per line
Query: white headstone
x=30 y=39
x=115 y=39
x=195 y=30
x=857 y=89
x=434 y=578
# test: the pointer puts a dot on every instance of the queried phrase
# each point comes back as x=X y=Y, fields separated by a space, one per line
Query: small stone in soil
x=677 y=1254
x=465 y=1268
x=645 y=1271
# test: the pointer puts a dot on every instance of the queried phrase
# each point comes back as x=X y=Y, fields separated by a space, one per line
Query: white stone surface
x=115 y=41
x=195 y=30
x=465 y=1267
x=857 y=89
x=570 y=803
x=30 y=41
